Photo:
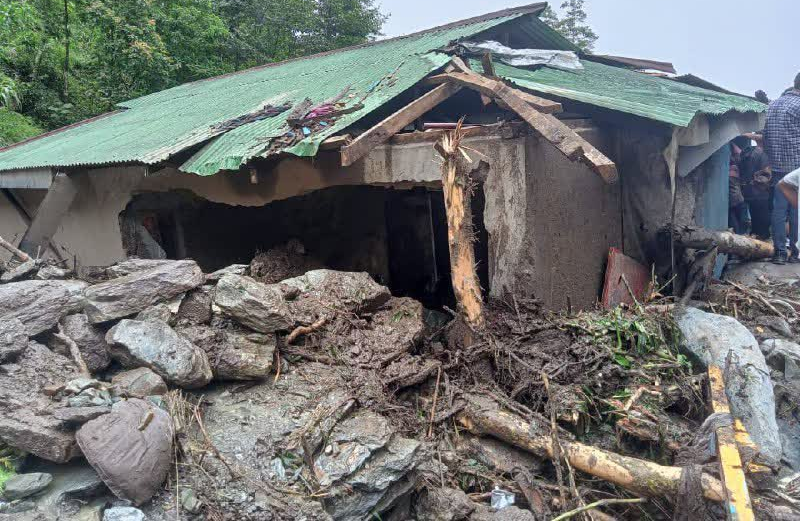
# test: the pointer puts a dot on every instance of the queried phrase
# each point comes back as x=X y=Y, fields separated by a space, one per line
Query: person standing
x=789 y=187
x=755 y=176
x=782 y=145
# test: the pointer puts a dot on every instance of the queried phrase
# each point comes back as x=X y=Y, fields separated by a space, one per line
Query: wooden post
x=700 y=238
x=457 y=187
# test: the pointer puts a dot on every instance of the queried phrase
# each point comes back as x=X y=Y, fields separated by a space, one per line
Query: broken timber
x=737 y=497
x=395 y=123
x=703 y=239
x=457 y=188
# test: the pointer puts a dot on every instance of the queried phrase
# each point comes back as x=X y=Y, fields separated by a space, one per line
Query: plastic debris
x=501 y=498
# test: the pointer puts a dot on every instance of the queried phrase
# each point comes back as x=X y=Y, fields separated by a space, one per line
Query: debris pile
x=150 y=390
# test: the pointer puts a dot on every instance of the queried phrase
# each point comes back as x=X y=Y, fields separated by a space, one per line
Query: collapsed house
x=151 y=366
x=336 y=150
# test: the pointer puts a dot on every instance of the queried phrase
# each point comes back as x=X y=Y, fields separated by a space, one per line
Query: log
x=483 y=417
x=700 y=238
x=21 y=255
x=457 y=188
x=395 y=123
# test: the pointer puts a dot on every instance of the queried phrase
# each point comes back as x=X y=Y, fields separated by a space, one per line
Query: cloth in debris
x=566 y=60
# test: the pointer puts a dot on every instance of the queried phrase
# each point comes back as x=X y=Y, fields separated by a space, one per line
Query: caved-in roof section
x=153 y=128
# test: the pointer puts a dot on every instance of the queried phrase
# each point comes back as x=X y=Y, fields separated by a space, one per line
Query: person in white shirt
x=789 y=186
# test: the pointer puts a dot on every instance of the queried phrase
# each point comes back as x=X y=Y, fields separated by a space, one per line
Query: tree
x=572 y=24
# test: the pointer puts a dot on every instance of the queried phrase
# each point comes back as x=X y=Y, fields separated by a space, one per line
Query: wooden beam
x=395 y=123
x=737 y=497
x=49 y=214
x=474 y=81
x=336 y=142
x=700 y=238
x=488 y=65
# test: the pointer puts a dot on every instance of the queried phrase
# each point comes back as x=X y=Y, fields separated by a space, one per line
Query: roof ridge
x=534 y=8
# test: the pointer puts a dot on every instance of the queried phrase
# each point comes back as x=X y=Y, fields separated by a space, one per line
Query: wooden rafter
x=395 y=123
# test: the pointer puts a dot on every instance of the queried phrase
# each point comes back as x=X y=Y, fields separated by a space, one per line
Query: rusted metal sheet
x=625 y=279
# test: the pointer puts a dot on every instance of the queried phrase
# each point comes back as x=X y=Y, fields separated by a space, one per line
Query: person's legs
x=780 y=208
x=793 y=231
x=759 y=214
x=737 y=218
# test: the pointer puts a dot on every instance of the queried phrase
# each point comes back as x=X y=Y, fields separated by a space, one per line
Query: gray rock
x=128 y=295
x=21 y=486
x=351 y=291
x=443 y=504
x=512 y=513
x=782 y=355
x=79 y=415
x=140 y=382
x=724 y=342
x=164 y=311
x=154 y=344
x=23 y=271
x=189 y=501
x=50 y=272
x=130 y=448
x=90 y=339
x=27 y=421
x=790 y=442
x=233 y=269
x=195 y=308
x=18 y=507
x=773 y=326
x=90 y=397
x=73 y=480
x=123 y=514
x=40 y=304
x=13 y=339
x=234 y=355
x=258 y=306
x=129 y=266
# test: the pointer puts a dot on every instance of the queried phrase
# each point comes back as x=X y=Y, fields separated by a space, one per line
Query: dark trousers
x=760 y=217
x=737 y=218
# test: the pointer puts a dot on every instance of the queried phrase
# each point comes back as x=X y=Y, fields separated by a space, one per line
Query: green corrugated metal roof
x=154 y=127
x=627 y=91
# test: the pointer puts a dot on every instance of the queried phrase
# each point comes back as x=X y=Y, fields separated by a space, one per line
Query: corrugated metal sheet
x=628 y=91
x=157 y=126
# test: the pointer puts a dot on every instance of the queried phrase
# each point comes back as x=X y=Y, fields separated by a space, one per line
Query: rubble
x=20 y=272
x=90 y=339
x=153 y=344
x=130 y=448
x=13 y=339
x=40 y=304
x=132 y=293
x=51 y=272
x=141 y=382
x=21 y=486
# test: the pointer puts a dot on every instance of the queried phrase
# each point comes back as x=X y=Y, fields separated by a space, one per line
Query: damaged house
x=579 y=153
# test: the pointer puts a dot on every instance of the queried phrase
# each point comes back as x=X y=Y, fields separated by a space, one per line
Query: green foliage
x=59 y=67
x=15 y=127
x=572 y=24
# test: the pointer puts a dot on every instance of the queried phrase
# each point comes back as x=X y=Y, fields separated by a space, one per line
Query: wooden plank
x=737 y=496
x=488 y=65
x=395 y=123
x=49 y=214
x=336 y=142
x=474 y=81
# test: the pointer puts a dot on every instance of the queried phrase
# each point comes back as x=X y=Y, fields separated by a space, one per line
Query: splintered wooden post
x=737 y=497
x=457 y=188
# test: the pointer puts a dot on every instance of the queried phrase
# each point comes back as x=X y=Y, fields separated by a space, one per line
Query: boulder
x=342 y=290
x=27 y=420
x=21 y=486
x=23 y=271
x=130 y=448
x=40 y=304
x=724 y=342
x=130 y=294
x=783 y=356
x=126 y=267
x=153 y=344
x=234 y=354
x=164 y=311
x=195 y=308
x=123 y=514
x=140 y=382
x=233 y=269
x=80 y=415
x=260 y=307
x=90 y=339
x=50 y=272
x=13 y=339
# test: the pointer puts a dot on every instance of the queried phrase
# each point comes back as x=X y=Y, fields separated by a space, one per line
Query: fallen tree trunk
x=483 y=417
x=702 y=239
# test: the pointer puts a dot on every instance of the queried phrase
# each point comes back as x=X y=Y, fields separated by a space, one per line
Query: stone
x=260 y=307
x=80 y=415
x=123 y=514
x=140 y=382
x=781 y=355
x=153 y=344
x=90 y=339
x=790 y=442
x=195 y=307
x=233 y=269
x=23 y=271
x=189 y=501
x=50 y=272
x=772 y=327
x=130 y=448
x=443 y=504
x=512 y=513
x=13 y=339
x=129 y=266
x=27 y=421
x=21 y=486
x=344 y=290
x=77 y=385
x=40 y=304
x=234 y=354
x=73 y=480
x=716 y=340
x=130 y=294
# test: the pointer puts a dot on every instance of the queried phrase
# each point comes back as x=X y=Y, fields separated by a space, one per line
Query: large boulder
x=153 y=344
x=130 y=448
x=724 y=342
x=141 y=381
x=319 y=291
x=260 y=307
x=13 y=339
x=26 y=420
x=90 y=339
x=40 y=304
x=234 y=354
x=23 y=485
x=125 y=296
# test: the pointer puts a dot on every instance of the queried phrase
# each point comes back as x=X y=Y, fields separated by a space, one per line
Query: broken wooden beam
x=395 y=123
x=700 y=238
x=543 y=105
x=482 y=417
x=737 y=496
x=21 y=255
x=336 y=142
x=48 y=216
x=457 y=186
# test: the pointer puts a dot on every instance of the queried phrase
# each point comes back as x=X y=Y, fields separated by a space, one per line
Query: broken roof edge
x=533 y=9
